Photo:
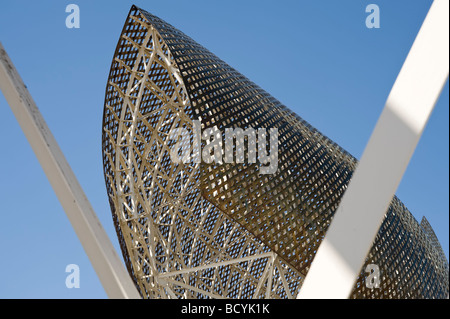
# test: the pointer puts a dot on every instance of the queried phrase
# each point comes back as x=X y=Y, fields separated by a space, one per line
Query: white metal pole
x=341 y=255
x=104 y=258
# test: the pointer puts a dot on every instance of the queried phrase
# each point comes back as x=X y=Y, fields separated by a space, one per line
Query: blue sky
x=316 y=57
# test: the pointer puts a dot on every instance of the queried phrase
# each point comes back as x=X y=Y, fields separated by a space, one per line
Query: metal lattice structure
x=197 y=230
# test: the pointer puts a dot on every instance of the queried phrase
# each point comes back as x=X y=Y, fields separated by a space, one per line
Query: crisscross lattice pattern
x=206 y=230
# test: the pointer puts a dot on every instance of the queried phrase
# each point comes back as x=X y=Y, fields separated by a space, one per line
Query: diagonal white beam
x=341 y=255
x=104 y=258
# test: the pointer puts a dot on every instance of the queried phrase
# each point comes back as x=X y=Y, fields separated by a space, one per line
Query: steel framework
x=197 y=230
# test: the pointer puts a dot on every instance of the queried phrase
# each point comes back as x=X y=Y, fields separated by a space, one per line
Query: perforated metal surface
x=225 y=230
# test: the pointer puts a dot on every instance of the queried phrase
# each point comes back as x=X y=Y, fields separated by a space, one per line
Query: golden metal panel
x=256 y=233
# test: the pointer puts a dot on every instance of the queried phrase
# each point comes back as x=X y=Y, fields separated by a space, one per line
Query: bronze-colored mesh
x=174 y=217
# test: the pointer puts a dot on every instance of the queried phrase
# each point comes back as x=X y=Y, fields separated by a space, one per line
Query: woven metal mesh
x=198 y=230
